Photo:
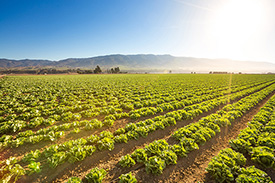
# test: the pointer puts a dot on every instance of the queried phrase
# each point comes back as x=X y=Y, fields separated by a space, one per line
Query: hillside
x=146 y=62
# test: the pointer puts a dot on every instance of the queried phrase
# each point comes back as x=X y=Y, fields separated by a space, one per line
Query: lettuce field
x=137 y=128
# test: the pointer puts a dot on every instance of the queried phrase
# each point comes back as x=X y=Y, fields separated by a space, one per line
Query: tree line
x=97 y=70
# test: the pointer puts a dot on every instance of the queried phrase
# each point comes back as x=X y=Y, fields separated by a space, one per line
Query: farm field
x=137 y=128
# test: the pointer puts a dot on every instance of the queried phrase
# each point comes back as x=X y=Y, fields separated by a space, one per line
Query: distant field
x=137 y=127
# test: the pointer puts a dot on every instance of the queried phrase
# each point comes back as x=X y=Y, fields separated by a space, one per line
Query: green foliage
x=169 y=157
x=73 y=102
x=220 y=171
x=74 y=180
x=34 y=167
x=189 y=144
x=127 y=178
x=96 y=175
x=76 y=130
x=139 y=155
x=76 y=153
x=155 y=165
x=252 y=175
x=32 y=156
x=106 y=143
x=179 y=150
x=122 y=138
x=127 y=161
x=92 y=139
x=156 y=147
x=226 y=165
x=264 y=156
x=56 y=159
x=10 y=171
x=236 y=156
x=119 y=131
x=240 y=145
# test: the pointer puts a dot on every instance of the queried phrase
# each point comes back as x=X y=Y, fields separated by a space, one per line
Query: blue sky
x=59 y=29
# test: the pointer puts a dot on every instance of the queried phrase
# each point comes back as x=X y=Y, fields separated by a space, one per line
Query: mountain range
x=146 y=62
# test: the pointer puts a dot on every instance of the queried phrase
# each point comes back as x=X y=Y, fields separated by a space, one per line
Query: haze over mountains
x=147 y=62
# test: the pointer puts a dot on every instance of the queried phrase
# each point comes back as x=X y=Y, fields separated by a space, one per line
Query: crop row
x=229 y=166
x=258 y=141
x=18 y=117
x=158 y=154
x=54 y=132
x=58 y=154
x=77 y=150
x=52 y=106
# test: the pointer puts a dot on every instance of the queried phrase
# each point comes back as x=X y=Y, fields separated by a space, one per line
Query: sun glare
x=236 y=25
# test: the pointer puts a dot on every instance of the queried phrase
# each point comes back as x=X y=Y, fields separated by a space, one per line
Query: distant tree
x=97 y=70
x=117 y=70
x=112 y=70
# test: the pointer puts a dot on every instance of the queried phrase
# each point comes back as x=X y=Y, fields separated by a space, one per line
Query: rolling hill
x=143 y=62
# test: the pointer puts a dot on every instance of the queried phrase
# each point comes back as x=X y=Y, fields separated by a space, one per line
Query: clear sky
x=59 y=29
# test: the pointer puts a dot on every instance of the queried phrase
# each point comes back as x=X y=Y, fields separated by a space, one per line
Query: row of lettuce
x=155 y=153
x=10 y=171
x=15 y=118
x=77 y=150
x=131 y=130
x=33 y=118
x=97 y=175
x=257 y=142
x=78 y=100
x=159 y=154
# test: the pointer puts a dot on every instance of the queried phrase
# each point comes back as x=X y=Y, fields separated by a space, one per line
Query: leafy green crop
x=155 y=165
x=74 y=180
x=34 y=167
x=57 y=159
x=32 y=156
x=226 y=165
x=127 y=178
x=139 y=155
x=127 y=161
x=10 y=171
x=252 y=175
x=96 y=175
x=106 y=143
x=169 y=157
x=156 y=147
x=264 y=156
